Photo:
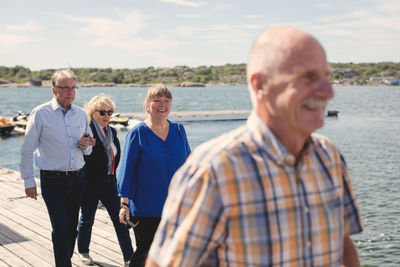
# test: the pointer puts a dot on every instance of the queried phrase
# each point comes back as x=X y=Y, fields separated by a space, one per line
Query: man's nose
x=325 y=89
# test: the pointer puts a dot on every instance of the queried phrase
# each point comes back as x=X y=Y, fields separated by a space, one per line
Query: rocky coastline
x=343 y=74
x=186 y=84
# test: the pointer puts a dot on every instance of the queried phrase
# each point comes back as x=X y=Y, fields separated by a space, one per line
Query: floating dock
x=206 y=115
x=25 y=230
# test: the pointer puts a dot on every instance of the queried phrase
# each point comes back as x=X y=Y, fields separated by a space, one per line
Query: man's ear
x=54 y=91
x=258 y=83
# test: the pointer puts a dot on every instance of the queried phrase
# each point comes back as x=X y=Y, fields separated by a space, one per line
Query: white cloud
x=253 y=26
x=104 y=31
x=187 y=30
x=217 y=33
x=29 y=26
x=252 y=16
x=361 y=20
x=146 y=46
x=391 y=6
x=12 y=36
x=123 y=33
x=365 y=35
x=190 y=16
x=324 y=5
x=182 y=2
x=9 y=42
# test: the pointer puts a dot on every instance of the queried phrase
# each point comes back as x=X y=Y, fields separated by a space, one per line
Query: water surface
x=367 y=131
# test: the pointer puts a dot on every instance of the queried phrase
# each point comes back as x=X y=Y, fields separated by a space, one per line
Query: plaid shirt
x=242 y=200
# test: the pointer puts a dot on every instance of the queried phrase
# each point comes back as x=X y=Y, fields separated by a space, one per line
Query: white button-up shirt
x=52 y=137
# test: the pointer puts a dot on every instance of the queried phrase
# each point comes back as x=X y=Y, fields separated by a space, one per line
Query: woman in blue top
x=154 y=150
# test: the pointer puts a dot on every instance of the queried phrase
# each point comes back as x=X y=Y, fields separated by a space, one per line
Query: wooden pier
x=25 y=230
x=205 y=115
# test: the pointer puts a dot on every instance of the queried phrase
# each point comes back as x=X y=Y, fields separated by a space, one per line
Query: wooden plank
x=105 y=248
x=10 y=259
x=23 y=252
x=25 y=230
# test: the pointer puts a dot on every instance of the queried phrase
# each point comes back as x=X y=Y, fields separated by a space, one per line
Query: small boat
x=21 y=119
x=21 y=124
x=332 y=113
x=116 y=119
x=6 y=127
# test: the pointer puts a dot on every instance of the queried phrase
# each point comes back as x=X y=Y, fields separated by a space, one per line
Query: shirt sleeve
x=352 y=218
x=193 y=221
x=185 y=140
x=30 y=144
x=126 y=183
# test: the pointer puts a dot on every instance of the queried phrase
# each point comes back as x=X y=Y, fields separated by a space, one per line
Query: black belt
x=60 y=173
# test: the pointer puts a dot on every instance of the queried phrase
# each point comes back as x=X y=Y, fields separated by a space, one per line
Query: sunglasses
x=104 y=112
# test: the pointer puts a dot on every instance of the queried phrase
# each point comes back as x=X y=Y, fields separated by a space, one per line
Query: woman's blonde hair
x=157 y=90
x=95 y=103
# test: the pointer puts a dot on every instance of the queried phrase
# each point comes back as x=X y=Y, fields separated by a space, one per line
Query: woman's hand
x=124 y=210
x=123 y=215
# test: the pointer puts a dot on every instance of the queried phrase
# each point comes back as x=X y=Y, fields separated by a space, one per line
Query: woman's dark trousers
x=105 y=190
x=144 y=234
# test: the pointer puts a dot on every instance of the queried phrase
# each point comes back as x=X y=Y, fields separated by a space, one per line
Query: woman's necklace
x=159 y=129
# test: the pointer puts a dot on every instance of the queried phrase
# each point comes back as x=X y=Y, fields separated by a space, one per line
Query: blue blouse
x=148 y=165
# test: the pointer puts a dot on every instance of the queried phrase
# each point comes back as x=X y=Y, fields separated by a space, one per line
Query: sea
x=367 y=131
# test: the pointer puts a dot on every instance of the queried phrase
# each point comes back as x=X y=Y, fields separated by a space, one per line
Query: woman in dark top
x=100 y=179
x=154 y=150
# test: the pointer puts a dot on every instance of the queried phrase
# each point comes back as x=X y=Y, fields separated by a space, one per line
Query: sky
x=43 y=34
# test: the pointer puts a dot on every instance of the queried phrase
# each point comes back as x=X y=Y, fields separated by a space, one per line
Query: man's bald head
x=276 y=48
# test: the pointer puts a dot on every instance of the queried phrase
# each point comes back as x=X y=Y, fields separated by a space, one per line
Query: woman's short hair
x=157 y=90
x=67 y=73
x=95 y=103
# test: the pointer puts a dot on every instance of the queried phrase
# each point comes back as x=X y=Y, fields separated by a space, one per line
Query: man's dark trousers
x=62 y=194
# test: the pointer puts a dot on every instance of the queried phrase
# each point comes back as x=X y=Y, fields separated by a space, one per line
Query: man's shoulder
x=44 y=106
x=323 y=142
x=78 y=109
x=320 y=139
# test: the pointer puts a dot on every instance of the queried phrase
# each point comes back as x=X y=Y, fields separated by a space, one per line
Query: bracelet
x=124 y=205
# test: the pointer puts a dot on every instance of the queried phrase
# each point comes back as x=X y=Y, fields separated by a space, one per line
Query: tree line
x=226 y=74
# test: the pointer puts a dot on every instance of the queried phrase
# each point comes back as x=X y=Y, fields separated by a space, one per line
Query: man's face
x=64 y=91
x=298 y=92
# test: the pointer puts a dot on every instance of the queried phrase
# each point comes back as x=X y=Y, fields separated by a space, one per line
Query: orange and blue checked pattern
x=243 y=200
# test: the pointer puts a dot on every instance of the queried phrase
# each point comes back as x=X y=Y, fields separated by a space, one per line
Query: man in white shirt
x=57 y=136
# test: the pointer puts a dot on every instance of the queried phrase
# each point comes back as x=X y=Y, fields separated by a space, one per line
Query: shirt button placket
x=67 y=123
x=167 y=151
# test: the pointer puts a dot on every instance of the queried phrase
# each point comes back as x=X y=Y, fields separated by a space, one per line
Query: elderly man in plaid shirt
x=272 y=192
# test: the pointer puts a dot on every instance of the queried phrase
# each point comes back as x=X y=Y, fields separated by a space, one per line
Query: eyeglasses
x=66 y=88
x=159 y=102
x=104 y=112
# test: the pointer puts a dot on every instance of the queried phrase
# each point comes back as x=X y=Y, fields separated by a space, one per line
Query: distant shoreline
x=47 y=84
x=373 y=74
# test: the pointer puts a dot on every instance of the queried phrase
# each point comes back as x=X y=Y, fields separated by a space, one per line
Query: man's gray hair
x=67 y=73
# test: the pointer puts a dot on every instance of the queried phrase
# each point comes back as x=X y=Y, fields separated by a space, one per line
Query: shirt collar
x=268 y=141
x=55 y=105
